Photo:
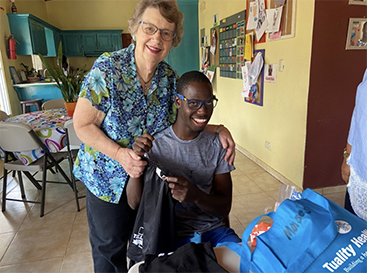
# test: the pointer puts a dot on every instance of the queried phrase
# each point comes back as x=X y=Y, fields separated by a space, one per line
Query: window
x=37 y=63
x=4 y=99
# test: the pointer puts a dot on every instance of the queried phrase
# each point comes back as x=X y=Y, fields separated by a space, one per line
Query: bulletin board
x=288 y=17
x=231 y=45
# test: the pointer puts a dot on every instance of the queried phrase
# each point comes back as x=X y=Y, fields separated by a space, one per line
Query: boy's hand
x=182 y=190
x=143 y=144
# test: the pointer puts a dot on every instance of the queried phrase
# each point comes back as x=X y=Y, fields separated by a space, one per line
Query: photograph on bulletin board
x=284 y=13
x=256 y=93
x=205 y=60
x=256 y=22
x=214 y=47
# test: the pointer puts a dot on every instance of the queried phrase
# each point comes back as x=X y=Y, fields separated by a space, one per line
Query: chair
x=3 y=115
x=73 y=143
x=21 y=137
x=53 y=104
x=26 y=104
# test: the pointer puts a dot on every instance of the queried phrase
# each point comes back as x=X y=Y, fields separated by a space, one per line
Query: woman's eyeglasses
x=151 y=29
x=196 y=104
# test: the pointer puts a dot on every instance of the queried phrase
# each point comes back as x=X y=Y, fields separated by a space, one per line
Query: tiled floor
x=58 y=242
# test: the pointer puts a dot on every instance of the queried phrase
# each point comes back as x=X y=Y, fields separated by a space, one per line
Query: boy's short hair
x=189 y=77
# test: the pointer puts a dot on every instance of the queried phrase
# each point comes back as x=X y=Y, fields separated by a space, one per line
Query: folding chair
x=20 y=137
x=73 y=143
x=3 y=116
x=53 y=104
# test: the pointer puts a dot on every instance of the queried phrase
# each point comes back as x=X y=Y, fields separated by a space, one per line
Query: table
x=48 y=125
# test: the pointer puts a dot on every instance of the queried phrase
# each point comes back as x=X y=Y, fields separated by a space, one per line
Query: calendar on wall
x=232 y=45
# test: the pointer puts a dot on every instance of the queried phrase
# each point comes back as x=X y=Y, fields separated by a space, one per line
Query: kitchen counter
x=24 y=85
x=38 y=90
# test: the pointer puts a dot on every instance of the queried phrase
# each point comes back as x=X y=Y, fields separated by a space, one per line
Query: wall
x=35 y=6
x=88 y=15
x=335 y=75
x=282 y=119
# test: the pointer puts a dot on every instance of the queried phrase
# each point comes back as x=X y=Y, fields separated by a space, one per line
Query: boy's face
x=194 y=120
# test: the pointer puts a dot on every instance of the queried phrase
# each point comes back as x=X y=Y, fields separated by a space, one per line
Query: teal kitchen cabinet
x=72 y=43
x=91 y=42
x=185 y=57
x=31 y=34
x=53 y=38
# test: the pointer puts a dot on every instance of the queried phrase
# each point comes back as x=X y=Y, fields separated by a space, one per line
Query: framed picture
x=358 y=2
x=14 y=74
x=357 y=34
x=23 y=76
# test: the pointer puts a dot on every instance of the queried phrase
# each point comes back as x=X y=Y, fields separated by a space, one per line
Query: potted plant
x=69 y=84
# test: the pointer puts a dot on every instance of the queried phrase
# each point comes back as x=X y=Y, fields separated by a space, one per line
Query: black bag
x=154 y=227
x=188 y=258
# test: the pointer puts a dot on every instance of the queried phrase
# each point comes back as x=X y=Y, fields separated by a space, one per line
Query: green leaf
x=69 y=84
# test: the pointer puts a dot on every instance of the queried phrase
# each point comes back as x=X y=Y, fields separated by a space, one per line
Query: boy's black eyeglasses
x=151 y=29
x=196 y=104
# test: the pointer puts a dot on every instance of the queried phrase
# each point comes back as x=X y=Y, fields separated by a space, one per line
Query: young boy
x=202 y=182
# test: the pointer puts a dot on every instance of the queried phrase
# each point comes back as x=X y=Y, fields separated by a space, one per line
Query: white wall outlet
x=281 y=65
x=267 y=145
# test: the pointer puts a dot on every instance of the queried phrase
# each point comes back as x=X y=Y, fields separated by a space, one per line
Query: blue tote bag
x=312 y=234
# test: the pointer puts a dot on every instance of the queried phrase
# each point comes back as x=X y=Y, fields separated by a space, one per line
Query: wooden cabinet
x=72 y=43
x=91 y=42
x=30 y=32
x=126 y=39
x=37 y=36
x=53 y=38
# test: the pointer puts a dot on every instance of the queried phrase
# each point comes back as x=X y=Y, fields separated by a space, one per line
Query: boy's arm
x=216 y=204
x=134 y=190
x=134 y=187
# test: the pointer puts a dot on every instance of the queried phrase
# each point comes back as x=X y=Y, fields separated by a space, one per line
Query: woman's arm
x=87 y=122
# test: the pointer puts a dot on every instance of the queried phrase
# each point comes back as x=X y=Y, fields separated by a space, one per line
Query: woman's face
x=152 y=48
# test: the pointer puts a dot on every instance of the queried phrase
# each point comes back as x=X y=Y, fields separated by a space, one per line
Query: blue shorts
x=215 y=236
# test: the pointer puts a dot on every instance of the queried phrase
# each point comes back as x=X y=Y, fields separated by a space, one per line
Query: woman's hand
x=131 y=162
x=227 y=143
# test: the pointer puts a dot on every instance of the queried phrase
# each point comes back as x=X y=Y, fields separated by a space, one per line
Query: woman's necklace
x=146 y=86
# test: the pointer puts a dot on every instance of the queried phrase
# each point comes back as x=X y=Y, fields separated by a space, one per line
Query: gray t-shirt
x=197 y=160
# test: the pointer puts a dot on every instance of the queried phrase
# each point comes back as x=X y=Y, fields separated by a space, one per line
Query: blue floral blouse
x=112 y=86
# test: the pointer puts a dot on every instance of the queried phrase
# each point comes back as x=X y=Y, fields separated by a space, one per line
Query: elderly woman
x=126 y=93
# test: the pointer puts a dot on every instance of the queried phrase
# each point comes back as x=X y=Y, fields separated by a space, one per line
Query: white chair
x=53 y=104
x=20 y=137
x=3 y=115
x=73 y=143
